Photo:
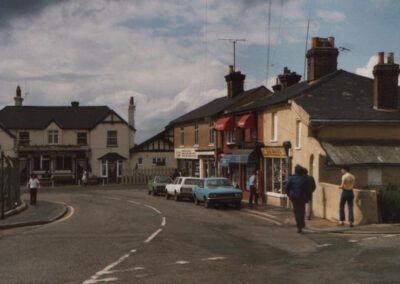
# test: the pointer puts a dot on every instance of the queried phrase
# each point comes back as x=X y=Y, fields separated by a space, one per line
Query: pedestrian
x=347 y=185
x=296 y=189
x=175 y=174
x=84 y=178
x=310 y=190
x=253 y=188
x=33 y=185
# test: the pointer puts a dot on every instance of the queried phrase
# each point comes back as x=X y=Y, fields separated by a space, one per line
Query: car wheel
x=149 y=192
x=238 y=205
x=206 y=203
x=153 y=192
x=166 y=195
x=176 y=197
x=195 y=200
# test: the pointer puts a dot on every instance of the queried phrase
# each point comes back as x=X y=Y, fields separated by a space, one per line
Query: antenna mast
x=234 y=41
x=305 y=53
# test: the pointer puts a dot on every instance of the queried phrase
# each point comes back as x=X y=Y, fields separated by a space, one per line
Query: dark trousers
x=347 y=196
x=253 y=195
x=299 y=208
x=33 y=193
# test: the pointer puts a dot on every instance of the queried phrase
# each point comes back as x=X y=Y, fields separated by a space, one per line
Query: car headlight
x=212 y=195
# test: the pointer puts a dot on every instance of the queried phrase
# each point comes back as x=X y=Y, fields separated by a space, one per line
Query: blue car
x=216 y=190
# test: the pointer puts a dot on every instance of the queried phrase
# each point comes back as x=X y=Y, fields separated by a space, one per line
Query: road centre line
x=151 y=207
x=164 y=221
x=323 y=245
x=152 y=236
x=93 y=281
x=134 y=202
x=214 y=258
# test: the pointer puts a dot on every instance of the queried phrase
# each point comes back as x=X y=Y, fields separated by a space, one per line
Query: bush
x=389 y=204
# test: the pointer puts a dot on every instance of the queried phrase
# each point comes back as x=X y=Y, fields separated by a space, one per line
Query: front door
x=112 y=171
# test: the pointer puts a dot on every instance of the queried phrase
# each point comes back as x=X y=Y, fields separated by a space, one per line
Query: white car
x=181 y=188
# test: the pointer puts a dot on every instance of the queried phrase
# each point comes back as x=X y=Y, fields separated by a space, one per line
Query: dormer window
x=52 y=137
x=23 y=138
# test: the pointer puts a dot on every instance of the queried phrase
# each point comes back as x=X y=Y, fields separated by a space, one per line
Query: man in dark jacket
x=296 y=189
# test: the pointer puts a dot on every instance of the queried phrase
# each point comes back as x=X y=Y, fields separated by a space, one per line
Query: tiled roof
x=39 y=117
x=216 y=106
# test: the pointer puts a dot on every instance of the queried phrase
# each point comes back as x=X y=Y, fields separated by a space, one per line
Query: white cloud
x=367 y=69
x=332 y=16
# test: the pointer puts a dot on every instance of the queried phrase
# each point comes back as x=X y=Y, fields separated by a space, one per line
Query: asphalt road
x=123 y=235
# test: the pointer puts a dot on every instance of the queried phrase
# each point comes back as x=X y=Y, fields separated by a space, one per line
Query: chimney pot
x=231 y=69
x=131 y=102
x=314 y=42
x=381 y=54
x=390 y=58
x=331 y=40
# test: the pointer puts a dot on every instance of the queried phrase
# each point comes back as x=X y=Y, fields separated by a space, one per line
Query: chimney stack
x=74 y=103
x=286 y=80
x=321 y=58
x=131 y=112
x=18 y=98
x=235 y=82
x=386 y=78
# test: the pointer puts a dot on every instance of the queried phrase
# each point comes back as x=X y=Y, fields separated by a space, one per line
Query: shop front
x=276 y=173
x=206 y=163
x=188 y=163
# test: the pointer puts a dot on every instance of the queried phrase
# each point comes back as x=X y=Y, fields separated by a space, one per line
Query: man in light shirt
x=33 y=185
x=253 y=188
x=347 y=185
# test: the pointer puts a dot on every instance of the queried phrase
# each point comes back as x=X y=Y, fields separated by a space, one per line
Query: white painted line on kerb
x=106 y=270
x=134 y=202
x=214 y=258
x=323 y=245
x=164 y=221
x=182 y=262
x=388 y=236
x=152 y=236
x=151 y=207
x=353 y=241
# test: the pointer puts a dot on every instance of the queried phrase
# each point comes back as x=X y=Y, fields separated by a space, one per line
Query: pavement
x=30 y=215
x=46 y=212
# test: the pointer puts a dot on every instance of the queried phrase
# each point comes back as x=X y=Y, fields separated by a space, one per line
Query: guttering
x=347 y=121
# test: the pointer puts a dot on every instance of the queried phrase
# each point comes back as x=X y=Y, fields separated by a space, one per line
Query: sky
x=169 y=55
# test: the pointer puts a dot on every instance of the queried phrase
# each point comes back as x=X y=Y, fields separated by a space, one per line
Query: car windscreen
x=218 y=182
x=162 y=179
x=191 y=181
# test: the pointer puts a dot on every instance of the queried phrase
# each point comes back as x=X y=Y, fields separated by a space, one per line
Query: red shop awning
x=246 y=121
x=225 y=123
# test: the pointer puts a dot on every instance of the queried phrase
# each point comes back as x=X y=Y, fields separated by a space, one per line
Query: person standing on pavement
x=253 y=188
x=347 y=185
x=33 y=185
x=296 y=189
x=310 y=189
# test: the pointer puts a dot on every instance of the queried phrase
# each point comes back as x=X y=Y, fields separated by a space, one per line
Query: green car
x=157 y=184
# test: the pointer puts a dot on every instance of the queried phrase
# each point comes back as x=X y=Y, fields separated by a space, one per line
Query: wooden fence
x=142 y=176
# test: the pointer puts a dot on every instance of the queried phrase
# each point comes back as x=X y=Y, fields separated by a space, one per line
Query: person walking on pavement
x=253 y=188
x=33 y=185
x=347 y=185
x=296 y=189
x=310 y=189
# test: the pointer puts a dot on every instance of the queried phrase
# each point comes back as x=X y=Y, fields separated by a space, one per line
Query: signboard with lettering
x=275 y=152
x=186 y=153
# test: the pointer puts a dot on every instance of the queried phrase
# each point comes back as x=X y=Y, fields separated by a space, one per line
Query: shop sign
x=276 y=152
x=206 y=153
x=186 y=153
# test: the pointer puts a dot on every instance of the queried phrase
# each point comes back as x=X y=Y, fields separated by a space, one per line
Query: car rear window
x=162 y=179
x=191 y=181
x=218 y=182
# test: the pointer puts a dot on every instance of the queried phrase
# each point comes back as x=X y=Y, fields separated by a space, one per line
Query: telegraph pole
x=234 y=41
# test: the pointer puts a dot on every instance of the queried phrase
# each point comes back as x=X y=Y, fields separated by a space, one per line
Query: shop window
x=276 y=174
x=119 y=168
x=104 y=168
x=112 y=138
x=81 y=138
x=63 y=163
x=36 y=164
x=182 y=136
x=374 y=176
x=298 y=134
x=154 y=160
x=230 y=137
x=274 y=127
x=196 y=134
x=23 y=138
x=52 y=137
x=211 y=133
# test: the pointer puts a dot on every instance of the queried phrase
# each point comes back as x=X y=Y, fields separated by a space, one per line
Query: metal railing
x=10 y=195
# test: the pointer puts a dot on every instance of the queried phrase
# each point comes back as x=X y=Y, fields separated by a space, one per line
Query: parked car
x=181 y=188
x=216 y=190
x=157 y=184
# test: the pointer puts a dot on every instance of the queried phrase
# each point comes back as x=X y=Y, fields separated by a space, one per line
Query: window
x=196 y=134
x=119 y=168
x=52 y=136
x=182 y=136
x=154 y=160
x=211 y=133
x=298 y=134
x=374 y=177
x=104 y=168
x=274 y=127
x=36 y=163
x=81 y=138
x=63 y=163
x=23 y=138
x=140 y=161
x=230 y=137
x=112 y=138
x=253 y=133
x=276 y=171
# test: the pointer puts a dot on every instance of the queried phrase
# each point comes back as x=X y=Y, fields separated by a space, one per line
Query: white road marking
x=107 y=269
x=113 y=198
x=134 y=202
x=214 y=258
x=323 y=245
x=182 y=262
x=353 y=241
x=371 y=238
x=151 y=207
x=152 y=236
x=127 y=270
x=164 y=221
x=389 y=236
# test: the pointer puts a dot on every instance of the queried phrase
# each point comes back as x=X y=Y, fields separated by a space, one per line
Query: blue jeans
x=347 y=196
